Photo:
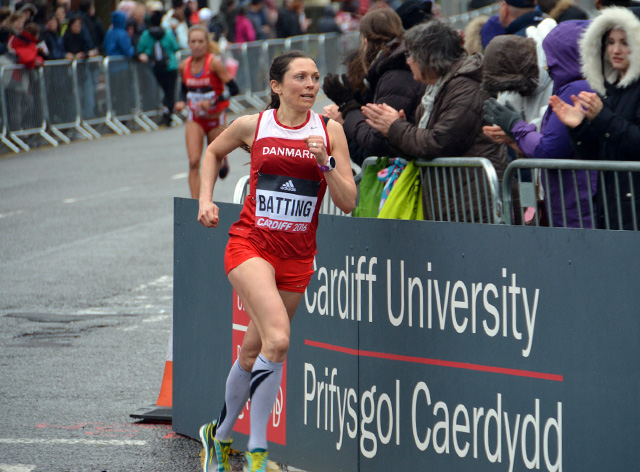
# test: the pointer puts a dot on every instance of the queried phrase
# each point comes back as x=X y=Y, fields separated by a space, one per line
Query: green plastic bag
x=370 y=190
x=405 y=199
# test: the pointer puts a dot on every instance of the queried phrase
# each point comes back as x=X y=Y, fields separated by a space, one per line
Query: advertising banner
x=439 y=346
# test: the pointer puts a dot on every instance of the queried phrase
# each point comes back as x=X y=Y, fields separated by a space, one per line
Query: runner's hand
x=317 y=148
x=208 y=214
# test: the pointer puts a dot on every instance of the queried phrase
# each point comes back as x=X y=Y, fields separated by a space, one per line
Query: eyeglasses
x=407 y=55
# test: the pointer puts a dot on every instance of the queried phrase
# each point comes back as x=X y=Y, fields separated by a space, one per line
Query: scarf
x=428 y=99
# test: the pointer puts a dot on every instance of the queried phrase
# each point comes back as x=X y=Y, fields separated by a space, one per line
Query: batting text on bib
x=285 y=203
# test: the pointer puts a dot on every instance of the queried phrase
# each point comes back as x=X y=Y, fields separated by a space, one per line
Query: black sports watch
x=331 y=165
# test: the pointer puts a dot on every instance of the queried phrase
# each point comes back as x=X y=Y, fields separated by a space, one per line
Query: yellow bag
x=405 y=199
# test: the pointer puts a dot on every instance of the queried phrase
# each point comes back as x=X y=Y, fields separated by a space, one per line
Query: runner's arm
x=342 y=187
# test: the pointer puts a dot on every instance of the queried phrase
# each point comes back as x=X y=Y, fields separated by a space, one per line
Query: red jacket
x=25 y=45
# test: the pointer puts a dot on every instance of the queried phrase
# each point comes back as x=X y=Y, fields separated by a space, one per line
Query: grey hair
x=435 y=46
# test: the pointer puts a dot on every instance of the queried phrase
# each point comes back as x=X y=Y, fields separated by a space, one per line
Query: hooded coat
x=614 y=134
x=552 y=141
x=117 y=42
x=454 y=129
x=167 y=40
x=392 y=82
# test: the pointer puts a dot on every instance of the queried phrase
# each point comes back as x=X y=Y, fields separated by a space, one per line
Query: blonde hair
x=212 y=46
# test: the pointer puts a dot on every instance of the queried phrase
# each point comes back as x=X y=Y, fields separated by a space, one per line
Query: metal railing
x=580 y=194
x=460 y=189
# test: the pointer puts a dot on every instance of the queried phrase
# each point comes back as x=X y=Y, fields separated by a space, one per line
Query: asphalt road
x=86 y=302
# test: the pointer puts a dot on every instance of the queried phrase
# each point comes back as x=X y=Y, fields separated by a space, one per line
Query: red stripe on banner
x=438 y=362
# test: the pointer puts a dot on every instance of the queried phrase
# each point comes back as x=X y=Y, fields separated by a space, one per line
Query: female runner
x=269 y=257
x=204 y=78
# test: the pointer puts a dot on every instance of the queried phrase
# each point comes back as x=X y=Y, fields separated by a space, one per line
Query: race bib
x=194 y=97
x=285 y=203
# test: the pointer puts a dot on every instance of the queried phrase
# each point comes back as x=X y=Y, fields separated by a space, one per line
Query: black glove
x=340 y=93
x=505 y=116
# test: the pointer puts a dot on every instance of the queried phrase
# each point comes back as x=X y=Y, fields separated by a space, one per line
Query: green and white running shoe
x=216 y=457
x=256 y=461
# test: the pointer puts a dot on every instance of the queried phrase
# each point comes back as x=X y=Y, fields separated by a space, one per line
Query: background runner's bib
x=281 y=212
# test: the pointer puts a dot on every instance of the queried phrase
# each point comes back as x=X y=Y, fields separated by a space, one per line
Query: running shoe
x=224 y=169
x=216 y=452
x=256 y=461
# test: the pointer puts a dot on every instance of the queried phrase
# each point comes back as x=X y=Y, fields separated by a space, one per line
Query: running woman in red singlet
x=295 y=157
x=204 y=78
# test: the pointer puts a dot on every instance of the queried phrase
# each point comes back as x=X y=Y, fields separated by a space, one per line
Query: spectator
x=181 y=29
x=28 y=11
x=192 y=13
x=257 y=13
x=450 y=117
x=117 y=42
x=74 y=42
x=562 y=10
x=13 y=24
x=414 y=12
x=52 y=39
x=138 y=16
x=380 y=62
x=606 y=125
x=25 y=46
x=562 y=54
x=92 y=23
x=158 y=47
x=472 y=36
x=515 y=17
x=347 y=17
x=63 y=21
x=5 y=29
x=327 y=22
x=244 y=31
x=291 y=19
x=77 y=46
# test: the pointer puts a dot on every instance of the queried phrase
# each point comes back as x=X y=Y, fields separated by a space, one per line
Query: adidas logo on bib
x=288 y=186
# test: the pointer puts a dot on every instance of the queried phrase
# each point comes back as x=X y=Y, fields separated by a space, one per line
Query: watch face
x=331 y=162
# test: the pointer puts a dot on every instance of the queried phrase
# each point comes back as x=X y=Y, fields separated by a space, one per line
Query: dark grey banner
x=431 y=346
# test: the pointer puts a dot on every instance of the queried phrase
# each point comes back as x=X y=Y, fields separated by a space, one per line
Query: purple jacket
x=553 y=142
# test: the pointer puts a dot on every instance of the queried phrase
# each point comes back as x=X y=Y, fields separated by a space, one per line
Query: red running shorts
x=292 y=275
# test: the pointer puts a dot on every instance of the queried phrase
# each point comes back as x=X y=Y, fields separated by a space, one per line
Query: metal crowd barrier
x=24 y=104
x=460 y=189
x=63 y=100
x=567 y=175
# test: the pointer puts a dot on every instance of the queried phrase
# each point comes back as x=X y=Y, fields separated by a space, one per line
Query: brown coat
x=454 y=130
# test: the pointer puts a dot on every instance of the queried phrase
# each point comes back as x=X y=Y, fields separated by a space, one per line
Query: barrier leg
x=47 y=137
x=60 y=135
x=9 y=144
x=19 y=142
x=91 y=130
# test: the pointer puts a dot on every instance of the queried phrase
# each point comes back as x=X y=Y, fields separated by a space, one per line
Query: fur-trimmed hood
x=595 y=68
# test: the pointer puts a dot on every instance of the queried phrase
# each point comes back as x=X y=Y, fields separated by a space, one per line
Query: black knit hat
x=521 y=3
x=414 y=12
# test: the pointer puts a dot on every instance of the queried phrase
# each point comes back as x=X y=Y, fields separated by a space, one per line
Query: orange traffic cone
x=161 y=411
x=165 y=398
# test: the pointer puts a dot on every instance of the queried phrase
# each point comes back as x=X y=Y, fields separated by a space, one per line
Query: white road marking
x=16 y=468
x=67 y=442
x=11 y=213
x=182 y=175
x=96 y=195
